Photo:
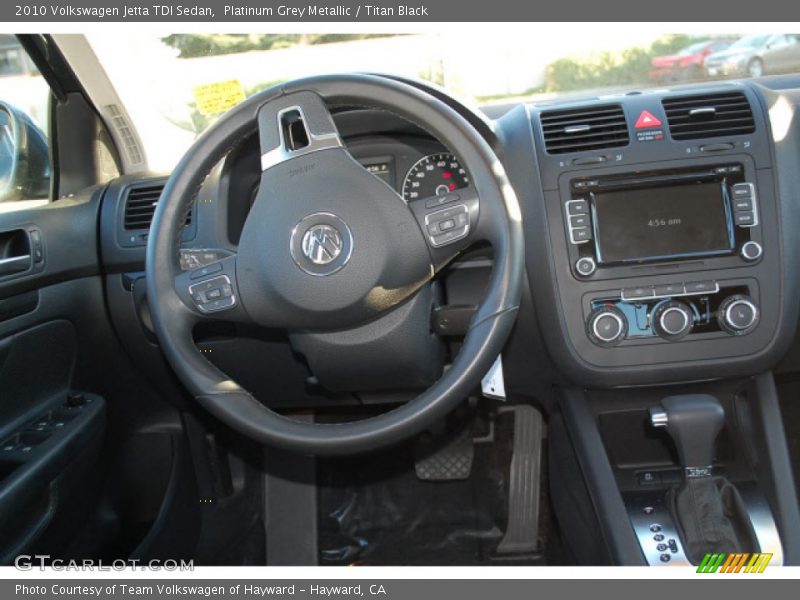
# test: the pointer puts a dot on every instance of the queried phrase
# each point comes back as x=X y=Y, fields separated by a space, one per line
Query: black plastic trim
x=612 y=516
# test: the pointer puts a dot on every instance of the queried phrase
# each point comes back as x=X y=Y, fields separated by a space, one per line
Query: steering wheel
x=328 y=246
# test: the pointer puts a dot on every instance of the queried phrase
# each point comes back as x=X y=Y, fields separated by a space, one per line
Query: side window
x=777 y=41
x=24 y=149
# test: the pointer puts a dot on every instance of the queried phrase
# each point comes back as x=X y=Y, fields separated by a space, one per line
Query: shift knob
x=694 y=422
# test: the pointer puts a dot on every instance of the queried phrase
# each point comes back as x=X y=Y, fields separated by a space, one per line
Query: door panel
x=51 y=433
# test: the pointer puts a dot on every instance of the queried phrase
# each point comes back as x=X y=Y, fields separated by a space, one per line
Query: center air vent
x=588 y=128
x=711 y=115
x=140 y=206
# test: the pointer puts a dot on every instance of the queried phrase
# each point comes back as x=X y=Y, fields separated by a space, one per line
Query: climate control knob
x=738 y=314
x=607 y=326
x=673 y=320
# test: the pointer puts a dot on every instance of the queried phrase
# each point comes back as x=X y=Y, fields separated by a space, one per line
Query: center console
x=619 y=223
x=649 y=458
x=663 y=265
x=666 y=245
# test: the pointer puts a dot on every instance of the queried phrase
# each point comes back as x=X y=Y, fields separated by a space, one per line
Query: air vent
x=712 y=115
x=141 y=205
x=589 y=128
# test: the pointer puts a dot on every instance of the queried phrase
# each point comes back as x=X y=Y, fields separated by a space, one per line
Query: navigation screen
x=661 y=223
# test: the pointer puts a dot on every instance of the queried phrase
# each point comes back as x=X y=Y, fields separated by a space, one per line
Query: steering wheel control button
x=447 y=225
x=321 y=244
x=751 y=251
x=585 y=266
x=607 y=326
x=737 y=314
x=213 y=295
x=437 y=201
x=673 y=320
x=205 y=271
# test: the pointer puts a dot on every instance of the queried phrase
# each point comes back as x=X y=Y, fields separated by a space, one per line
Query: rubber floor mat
x=374 y=510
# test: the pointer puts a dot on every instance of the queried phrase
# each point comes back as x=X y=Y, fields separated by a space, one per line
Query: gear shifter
x=708 y=510
x=694 y=422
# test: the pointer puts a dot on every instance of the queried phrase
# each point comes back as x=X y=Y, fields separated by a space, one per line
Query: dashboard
x=659 y=238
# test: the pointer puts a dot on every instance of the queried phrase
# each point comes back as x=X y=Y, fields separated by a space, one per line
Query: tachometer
x=434 y=175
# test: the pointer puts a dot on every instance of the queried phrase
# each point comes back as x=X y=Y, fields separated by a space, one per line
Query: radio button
x=579 y=221
x=581 y=234
x=638 y=293
x=670 y=289
x=577 y=207
x=740 y=204
x=607 y=326
x=673 y=320
x=585 y=266
x=743 y=190
x=737 y=314
x=702 y=287
x=751 y=251
x=745 y=219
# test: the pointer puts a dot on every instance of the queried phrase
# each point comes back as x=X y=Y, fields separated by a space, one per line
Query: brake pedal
x=522 y=532
x=452 y=461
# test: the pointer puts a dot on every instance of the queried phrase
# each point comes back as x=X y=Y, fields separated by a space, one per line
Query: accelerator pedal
x=522 y=532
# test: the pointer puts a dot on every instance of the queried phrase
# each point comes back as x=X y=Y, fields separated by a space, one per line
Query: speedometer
x=434 y=175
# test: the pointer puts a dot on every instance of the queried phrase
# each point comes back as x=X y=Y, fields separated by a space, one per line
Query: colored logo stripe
x=734 y=563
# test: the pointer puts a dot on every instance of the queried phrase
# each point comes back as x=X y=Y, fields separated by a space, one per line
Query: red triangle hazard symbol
x=646 y=120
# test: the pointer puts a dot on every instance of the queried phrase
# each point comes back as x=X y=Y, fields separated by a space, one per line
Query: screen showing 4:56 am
x=661 y=223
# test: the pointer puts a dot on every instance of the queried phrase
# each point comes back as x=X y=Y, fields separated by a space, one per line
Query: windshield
x=174 y=86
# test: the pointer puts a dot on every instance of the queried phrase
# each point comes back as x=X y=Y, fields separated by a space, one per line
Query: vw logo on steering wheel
x=321 y=244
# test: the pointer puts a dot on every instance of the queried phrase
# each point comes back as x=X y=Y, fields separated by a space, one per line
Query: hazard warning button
x=647 y=120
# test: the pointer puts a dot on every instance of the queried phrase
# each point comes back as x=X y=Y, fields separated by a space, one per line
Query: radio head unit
x=636 y=219
x=662 y=223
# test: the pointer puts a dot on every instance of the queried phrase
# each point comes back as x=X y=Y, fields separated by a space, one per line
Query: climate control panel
x=672 y=312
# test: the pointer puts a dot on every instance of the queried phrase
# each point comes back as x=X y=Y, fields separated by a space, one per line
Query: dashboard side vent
x=140 y=205
x=589 y=128
x=709 y=115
